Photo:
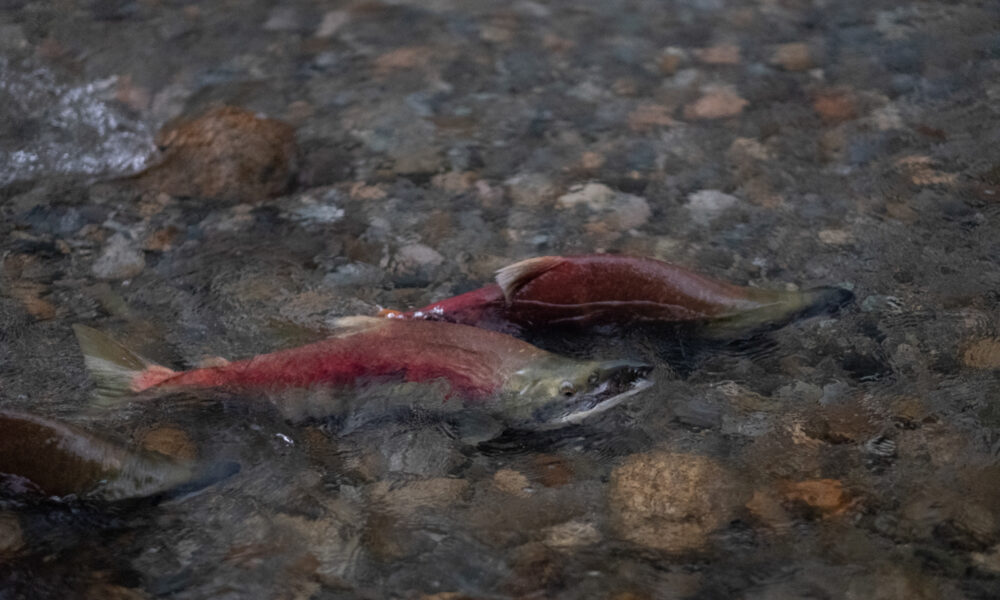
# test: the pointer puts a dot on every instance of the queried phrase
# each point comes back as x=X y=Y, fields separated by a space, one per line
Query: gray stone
x=121 y=258
x=706 y=205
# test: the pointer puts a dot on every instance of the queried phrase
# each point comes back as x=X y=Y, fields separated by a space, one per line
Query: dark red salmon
x=599 y=289
x=59 y=459
x=482 y=368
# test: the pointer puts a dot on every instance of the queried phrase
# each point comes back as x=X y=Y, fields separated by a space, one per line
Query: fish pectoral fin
x=512 y=277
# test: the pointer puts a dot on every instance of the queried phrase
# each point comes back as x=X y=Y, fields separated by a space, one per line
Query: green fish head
x=557 y=391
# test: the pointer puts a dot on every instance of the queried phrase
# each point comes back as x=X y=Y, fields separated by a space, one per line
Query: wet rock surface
x=671 y=501
x=323 y=159
x=228 y=153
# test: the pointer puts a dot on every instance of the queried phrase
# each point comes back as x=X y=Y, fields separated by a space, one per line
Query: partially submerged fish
x=610 y=289
x=58 y=459
x=520 y=384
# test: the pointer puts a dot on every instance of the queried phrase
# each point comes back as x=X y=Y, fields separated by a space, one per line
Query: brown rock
x=454 y=182
x=792 y=57
x=827 y=496
x=362 y=191
x=716 y=103
x=535 y=566
x=559 y=45
x=834 y=106
x=11 y=536
x=591 y=161
x=170 y=441
x=921 y=171
x=161 y=240
x=511 y=482
x=530 y=189
x=746 y=152
x=551 y=470
x=671 y=501
x=649 y=116
x=767 y=509
x=29 y=293
x=989 y=560
x=983 y=354
x=571 y=534
x=835 y=237
x=228 y=153
x=723 y=54
x=436 y=492
x=625 y=86
x=671 y=59
x=410 y=57
x=840 y=423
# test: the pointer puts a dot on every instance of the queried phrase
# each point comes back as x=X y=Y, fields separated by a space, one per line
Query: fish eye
x=566 y=388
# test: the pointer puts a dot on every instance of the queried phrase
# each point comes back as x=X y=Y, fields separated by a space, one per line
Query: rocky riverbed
x=225 y=179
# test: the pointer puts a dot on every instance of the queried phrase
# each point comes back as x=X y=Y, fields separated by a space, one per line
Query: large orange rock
x=227 y=153
x=672 y=501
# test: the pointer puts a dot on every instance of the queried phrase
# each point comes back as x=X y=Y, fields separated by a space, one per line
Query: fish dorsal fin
x=512 y=277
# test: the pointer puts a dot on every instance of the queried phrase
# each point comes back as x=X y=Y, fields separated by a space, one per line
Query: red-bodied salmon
x=57 y=459
x=611 y=289
x=520 y=384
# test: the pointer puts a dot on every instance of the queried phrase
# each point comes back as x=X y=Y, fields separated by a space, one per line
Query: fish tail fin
x=824 y=300
x=512 y=277
x=780 y=308
x=116 y=370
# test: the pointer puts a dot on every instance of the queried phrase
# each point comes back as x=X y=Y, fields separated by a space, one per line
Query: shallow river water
x=772 y=143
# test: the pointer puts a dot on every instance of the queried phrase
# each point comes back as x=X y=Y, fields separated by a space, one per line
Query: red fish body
x=471 y=361
x=598 y=289
x=507 y=376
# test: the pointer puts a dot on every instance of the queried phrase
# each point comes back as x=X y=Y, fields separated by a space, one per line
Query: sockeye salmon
x=610 y=289
x=512 y=380
x=58 y=459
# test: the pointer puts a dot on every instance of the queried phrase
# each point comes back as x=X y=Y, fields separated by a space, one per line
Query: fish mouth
x=618 y=380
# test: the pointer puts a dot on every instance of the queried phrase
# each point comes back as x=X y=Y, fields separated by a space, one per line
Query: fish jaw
x=561 y=392
x=629 y=381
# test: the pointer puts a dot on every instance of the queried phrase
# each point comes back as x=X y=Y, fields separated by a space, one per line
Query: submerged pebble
x=11 y=535
x=227 y=153
x=983 y=354
x=671 y=501
x=121 y=258
x=572 y=534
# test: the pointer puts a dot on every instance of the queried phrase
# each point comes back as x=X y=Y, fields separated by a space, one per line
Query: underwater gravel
x=403 y=152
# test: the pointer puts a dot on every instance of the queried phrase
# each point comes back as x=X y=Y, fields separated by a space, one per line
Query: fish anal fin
x=512 y=277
